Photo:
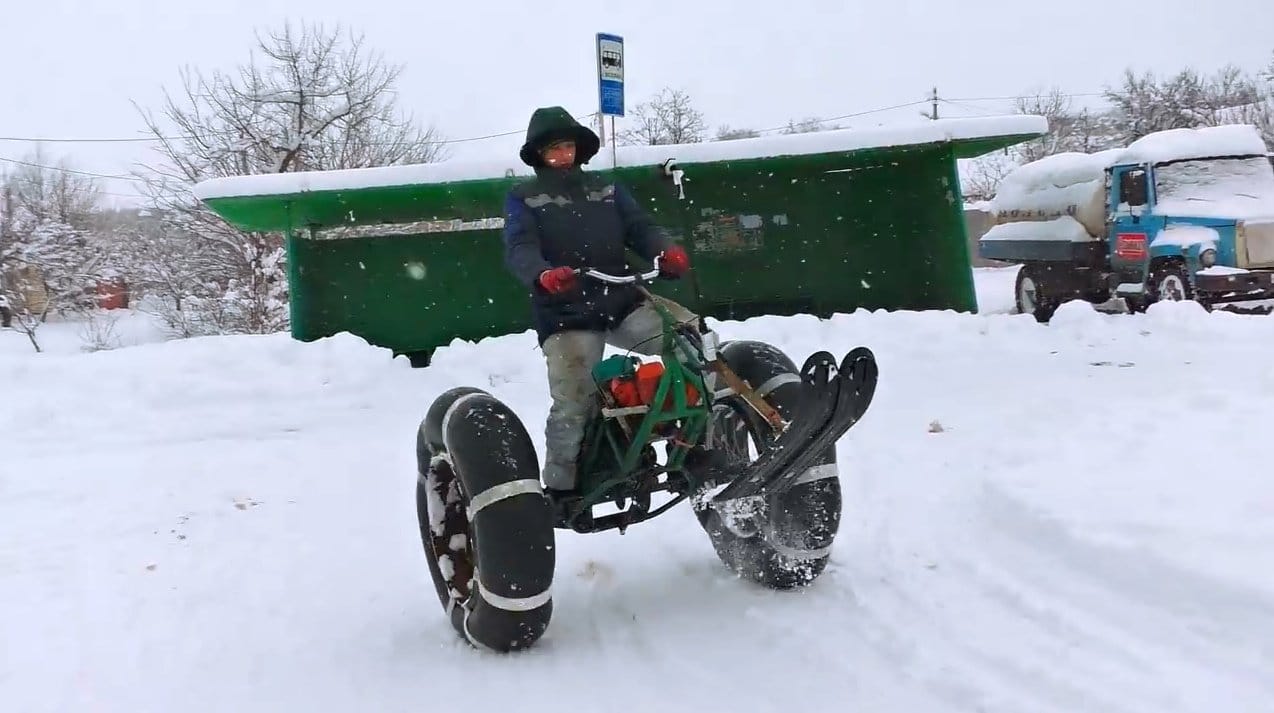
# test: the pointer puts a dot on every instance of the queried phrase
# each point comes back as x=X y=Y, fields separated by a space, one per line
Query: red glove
x=557 y=280
x=675 y=261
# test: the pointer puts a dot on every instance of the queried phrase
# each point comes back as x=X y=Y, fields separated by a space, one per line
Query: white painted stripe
x=503 y=491
x=817 y=472
x=798 y=553
x=451 y=410
x=469 y=635
x=775 y=382
x=515 y=603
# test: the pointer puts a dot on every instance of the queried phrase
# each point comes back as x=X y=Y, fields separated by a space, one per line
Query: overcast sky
x=74 y=67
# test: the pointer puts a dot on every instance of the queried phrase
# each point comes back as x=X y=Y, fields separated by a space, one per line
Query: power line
x=1026 y=96
x=483 y=137
x=978 y=110
x=851 y=116
x=143 y=139
x=71 y=170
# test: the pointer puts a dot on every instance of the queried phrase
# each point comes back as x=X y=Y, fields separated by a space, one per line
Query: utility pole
x=934 y=98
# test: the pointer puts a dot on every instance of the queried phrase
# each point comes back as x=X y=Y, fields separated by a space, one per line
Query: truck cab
x=1185 y=214
x=1192 y=229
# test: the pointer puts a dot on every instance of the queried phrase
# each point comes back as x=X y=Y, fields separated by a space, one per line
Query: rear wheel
x=784 y=540
x=1031 y=297
x=486 y=527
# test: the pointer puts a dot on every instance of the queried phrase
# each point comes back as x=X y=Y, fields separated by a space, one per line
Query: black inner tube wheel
x=485 y=524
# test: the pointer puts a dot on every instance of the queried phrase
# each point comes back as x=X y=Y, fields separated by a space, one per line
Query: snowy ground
x=1071 y=517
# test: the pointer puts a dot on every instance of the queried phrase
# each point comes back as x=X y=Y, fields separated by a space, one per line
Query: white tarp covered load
x=1066 y=184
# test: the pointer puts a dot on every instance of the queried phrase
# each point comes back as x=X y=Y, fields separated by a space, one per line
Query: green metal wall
x=818 y=234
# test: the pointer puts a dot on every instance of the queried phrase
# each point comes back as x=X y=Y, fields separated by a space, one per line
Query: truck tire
x=789 y=536
x=1169 y=282
x=1030 y=295
x=486 y=527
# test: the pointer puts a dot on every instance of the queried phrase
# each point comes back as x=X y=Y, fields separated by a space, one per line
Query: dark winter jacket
x=568 y=217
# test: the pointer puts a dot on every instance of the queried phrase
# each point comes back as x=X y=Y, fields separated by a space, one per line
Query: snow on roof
x=1064 y=170
x=762 y=147
x=1206 y=142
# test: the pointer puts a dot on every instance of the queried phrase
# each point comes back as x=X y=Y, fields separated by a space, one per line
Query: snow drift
x=1065 y=518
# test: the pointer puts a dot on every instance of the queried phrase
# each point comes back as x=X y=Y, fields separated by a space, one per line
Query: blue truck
x=1185 y=214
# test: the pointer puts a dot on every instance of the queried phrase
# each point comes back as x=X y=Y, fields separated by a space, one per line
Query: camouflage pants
x=570 y=357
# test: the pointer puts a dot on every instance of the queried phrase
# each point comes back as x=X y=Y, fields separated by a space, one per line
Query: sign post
x=610 y=82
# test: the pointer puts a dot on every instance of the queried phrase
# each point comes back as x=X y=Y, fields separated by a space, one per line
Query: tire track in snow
x=1142 y=602
x=1035 y=619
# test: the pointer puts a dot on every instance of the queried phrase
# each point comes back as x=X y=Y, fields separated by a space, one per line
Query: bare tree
x=808 y=125
x=725 y=133
x=1069 y=130
x=1185 y=100
x=980 y=178
x=309 y=99
x=668 y=118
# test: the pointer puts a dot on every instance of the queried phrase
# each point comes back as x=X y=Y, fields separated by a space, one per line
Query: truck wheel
x=1170 y=283
x=785 y=541
x=486 y=527
x=1030 y=296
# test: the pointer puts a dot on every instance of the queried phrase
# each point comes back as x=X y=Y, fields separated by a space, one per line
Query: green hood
x=551 y=123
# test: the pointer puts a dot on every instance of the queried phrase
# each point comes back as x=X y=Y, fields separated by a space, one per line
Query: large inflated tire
x=486 y=527
x=791 y=533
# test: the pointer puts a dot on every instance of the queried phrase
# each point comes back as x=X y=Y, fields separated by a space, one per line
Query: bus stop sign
x=610 y=74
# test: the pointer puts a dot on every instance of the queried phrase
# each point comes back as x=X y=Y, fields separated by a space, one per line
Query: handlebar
x=625 y=279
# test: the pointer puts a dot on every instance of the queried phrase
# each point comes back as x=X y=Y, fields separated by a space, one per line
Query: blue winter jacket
x=578 y=220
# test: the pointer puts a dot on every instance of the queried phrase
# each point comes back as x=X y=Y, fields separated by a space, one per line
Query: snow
x=1222 y=270
x=1229 y=189
x=1065 y=184
x=228 y=523
x=106 y=329
x=1064 y=229
x=765 y=146
x=1205 y=142
x=1187 y=236
x=1059 y=170
x=1074 y=183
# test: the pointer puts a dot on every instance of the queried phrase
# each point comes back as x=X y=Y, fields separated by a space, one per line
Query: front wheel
x=486 y=527
x=785 y=540
x=1170 y=283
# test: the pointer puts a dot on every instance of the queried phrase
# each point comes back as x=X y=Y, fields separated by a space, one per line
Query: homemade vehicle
x=735 y=428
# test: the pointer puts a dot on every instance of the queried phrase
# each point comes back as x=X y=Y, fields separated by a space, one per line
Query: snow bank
x=228 y=524
x=1222 y=270
x=835 y=141
x=1064 y=229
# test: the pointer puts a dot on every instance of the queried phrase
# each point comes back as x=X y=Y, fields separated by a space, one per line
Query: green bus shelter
x=411 y=257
